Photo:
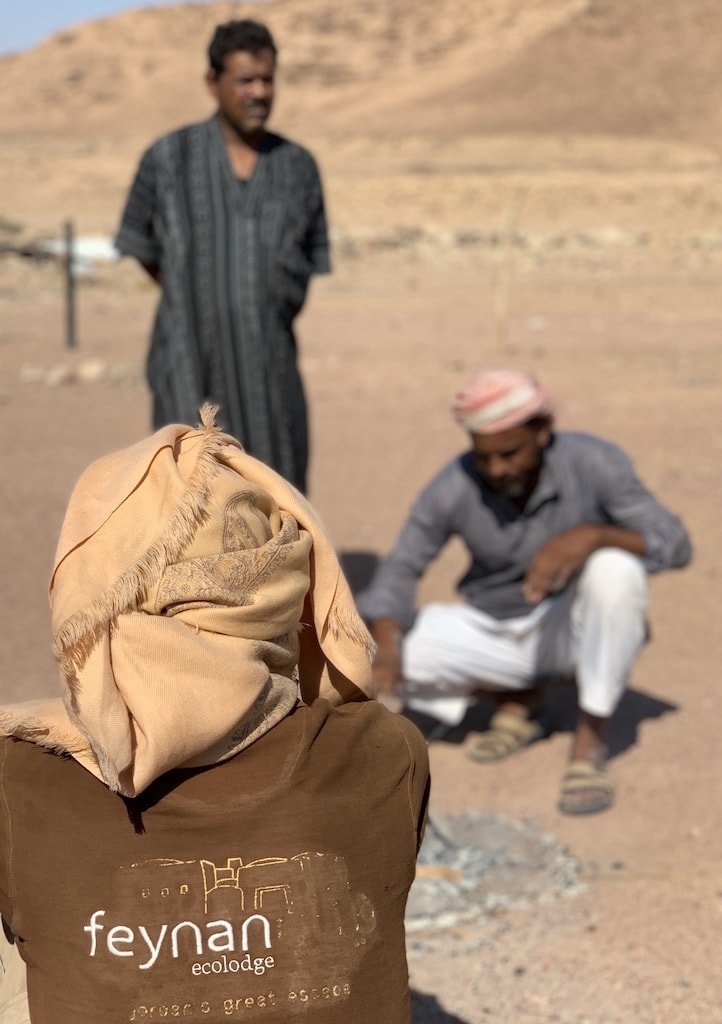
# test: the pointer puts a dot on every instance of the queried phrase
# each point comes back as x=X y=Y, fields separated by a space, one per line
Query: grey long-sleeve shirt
x=583 y=480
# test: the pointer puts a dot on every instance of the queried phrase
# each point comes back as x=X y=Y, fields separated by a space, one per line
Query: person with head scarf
x=560 y=535
x=213 y=821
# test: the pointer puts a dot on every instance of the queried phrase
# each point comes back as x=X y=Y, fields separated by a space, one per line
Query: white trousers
x=592 y=632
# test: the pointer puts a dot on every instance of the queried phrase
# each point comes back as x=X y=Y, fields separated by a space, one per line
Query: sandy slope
x=448 y=67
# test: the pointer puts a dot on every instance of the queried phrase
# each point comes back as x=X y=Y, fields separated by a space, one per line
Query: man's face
x=510 y=461
x=244 y=90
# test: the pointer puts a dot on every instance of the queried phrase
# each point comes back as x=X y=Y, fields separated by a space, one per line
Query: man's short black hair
x=246 y=35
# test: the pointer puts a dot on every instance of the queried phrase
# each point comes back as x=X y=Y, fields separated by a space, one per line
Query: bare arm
x=387 y=662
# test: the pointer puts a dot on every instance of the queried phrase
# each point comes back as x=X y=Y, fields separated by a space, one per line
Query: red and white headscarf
x=497 y=400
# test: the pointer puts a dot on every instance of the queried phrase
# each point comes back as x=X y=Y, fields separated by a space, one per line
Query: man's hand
x=386 y=674
x=386 y=669
x=558 y=559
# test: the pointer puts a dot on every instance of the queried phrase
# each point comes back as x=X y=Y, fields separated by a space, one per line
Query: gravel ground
x=519 y=916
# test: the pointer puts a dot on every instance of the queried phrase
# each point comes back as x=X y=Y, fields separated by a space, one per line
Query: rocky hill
x=446 y=68
x=427 y=116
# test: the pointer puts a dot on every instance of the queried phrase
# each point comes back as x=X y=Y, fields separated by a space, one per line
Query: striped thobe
x=235 y=260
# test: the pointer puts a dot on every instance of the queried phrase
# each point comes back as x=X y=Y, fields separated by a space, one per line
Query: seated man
x=560 y=534
x=214 y=823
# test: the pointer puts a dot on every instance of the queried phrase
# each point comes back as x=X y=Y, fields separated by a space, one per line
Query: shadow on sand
x=557 y=713
x=358 y=567
x=425 y=1009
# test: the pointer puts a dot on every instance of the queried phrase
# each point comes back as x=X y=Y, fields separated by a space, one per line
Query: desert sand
x=533 y=184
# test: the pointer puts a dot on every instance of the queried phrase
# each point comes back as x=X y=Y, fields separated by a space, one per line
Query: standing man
x=229 y=219
x=561 y=535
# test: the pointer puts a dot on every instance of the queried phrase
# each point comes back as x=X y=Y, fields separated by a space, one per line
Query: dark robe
x=235 y=260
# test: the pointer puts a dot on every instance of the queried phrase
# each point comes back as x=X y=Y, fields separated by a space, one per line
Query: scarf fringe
x=78 y=636
x=34 y=730
x=349 y=623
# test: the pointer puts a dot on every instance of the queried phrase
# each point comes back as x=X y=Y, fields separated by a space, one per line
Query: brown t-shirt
x=268 y=888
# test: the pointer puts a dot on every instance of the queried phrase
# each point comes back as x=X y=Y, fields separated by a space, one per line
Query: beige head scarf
x=191 y=585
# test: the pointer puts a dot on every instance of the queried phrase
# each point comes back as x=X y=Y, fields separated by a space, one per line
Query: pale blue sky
x=25 y=24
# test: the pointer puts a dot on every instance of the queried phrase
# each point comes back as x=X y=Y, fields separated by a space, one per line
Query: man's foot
x=586 y=789
x=506 y=735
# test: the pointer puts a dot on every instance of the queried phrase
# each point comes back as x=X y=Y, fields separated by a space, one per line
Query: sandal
x=586 y=789
x=506 y=735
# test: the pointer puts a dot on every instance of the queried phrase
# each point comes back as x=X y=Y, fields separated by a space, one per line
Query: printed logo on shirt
x=277 y=932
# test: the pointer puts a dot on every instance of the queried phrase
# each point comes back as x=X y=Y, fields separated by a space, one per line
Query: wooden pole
x=70 y=339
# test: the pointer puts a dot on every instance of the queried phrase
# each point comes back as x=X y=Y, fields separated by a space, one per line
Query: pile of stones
x=479 y=865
